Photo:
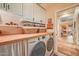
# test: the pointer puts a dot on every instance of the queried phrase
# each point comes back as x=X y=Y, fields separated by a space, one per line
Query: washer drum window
x=50 y=44
x=39 y=49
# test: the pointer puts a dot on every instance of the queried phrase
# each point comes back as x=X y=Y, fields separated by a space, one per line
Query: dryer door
x=50 y=44
x=39 y=49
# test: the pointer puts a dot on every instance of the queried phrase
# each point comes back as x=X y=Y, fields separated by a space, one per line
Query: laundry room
x=39 y=29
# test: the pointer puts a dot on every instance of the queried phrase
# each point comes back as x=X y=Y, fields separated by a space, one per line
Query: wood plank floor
x=68 y=49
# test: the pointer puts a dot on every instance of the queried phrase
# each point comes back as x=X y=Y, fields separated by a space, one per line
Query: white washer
x=36 y=47
x=43 y=39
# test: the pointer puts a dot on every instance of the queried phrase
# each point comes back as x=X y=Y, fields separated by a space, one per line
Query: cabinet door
x=3 y=6
x=25 y=47
x=39 y=14
x=17 y=48
x=15 y=8
x=28 y=11
x=12 y=49
x=44 y=18
x=6 y=50
x=42 y=15
x=36 y=13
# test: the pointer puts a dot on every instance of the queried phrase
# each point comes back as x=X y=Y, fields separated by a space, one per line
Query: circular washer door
x=50 y=44
x=39 y=49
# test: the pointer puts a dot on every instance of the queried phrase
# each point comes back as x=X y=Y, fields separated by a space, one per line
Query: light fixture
x=65 y=15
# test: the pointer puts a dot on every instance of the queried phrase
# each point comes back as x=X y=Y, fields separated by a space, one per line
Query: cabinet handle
x=8 y=6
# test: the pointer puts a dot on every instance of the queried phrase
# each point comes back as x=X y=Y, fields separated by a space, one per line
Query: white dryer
x=36 y=47
x=50 y=45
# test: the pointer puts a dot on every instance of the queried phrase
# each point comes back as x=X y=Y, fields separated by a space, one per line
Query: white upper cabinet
x=39 y=14
x=43 y=16
x=28 y=11
x=33 y=12
x=15 y=8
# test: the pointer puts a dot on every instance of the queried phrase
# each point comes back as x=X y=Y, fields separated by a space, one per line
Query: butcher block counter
x=14 y=39
x=10 y=38
x=13 y=33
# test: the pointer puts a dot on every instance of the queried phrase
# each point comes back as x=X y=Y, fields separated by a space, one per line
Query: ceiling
x=55 y=6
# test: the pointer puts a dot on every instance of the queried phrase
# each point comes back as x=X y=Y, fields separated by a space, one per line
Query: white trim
x=67 y=8
x=56 y=37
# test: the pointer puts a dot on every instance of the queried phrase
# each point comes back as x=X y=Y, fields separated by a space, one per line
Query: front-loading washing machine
x=44 y=40
x=50 y=45
x=36 y=47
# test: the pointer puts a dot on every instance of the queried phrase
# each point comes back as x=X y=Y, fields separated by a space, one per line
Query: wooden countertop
x=11 y=38
x=22 y=26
